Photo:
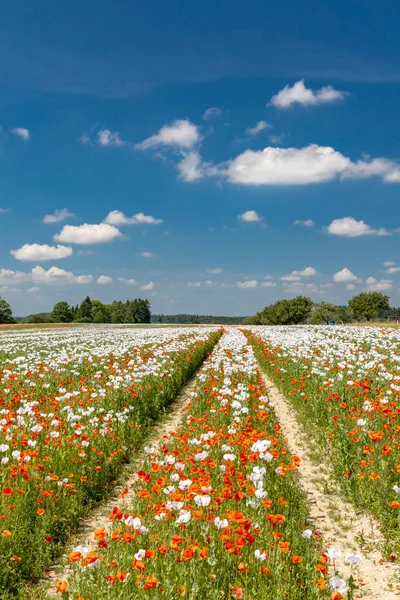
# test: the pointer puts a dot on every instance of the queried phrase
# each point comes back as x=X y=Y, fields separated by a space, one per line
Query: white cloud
x=350 y=286
x=378 y=286
x=258 y=127
x=105 y=137
x=250 y=216
x=116 y=217
x=9 y=276
x=56 y=275
x=389 y=263
x=33 y=290
x=208 y=283
x=87 y=234
x=148 y=286
x=249 y=283
x=391 y=270
x=21 y=132
x=302 y=166
x=211 y=113
x=181 y=134
x=344 y=276
x=194 y=284
x=349 y=227
x=59 y=215
x=104 y=280
x=41 y=252
x=299 y=94
x=277 y=138
x=268 y=284
x=5 y=210
x=305 y=223
x=290 y=277
x=191 y=167
x=128 y=281
x=146 y=254
x=307 y=272
x=287 y=166
x=301 y=287
x=297 y=275
x=214 y=271
x=84 y=139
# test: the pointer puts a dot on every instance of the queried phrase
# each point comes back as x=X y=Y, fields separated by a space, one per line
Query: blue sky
x=105 y=106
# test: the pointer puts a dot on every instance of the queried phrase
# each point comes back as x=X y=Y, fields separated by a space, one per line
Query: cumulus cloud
x=214 y=271
x=305 y=223
x=299 y=94
x=344 y=276
x=59 y=276
x=148 y=286
x=87 y=234
x=350 y=286
x=104 y=280
x=116 y=217
x=22 y=132
x=10 y=276
x=297 y=275
x=58 y=216
x=258 y=128
x=180 y=134
x=128 y=281
x=268 y=284
x=250 y=216
x=249 y=283
x=349 y=227
x=211 y=113
x=33 y=290
x=389 y=263
x=286 y=166
x=302 y=166
x=382 y=285
x=41 y=252
x=105 y=137
x=391 y=270
x=191 y=167
x=146 y=254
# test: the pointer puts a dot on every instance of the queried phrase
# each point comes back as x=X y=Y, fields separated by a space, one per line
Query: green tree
x=366 y=306
x=38 y=318
x=287 y=312
x=5 y=312
x=101 y=313
x=323 y=313
x=85 y=311
x=117 y=312
x=61 y=313
x=143 y=311
x=254 y=320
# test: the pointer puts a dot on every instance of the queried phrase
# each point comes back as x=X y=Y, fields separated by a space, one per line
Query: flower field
x=217 y=508
x=74 y=405
x=345 y=384
x=216 y=511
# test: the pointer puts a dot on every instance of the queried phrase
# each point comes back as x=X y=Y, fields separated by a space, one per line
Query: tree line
x=363 y=307
x=94 y=311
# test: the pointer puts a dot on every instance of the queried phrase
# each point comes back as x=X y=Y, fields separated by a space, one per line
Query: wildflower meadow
x=217 y=507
